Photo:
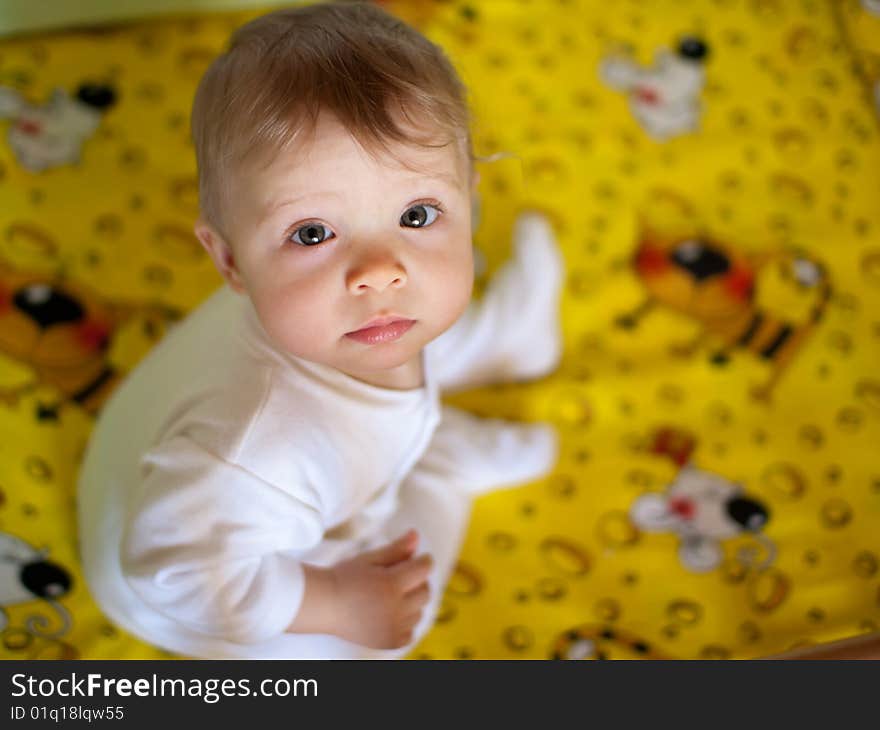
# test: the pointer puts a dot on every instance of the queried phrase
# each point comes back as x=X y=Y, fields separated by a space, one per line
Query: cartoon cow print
x=702 y=508
x=26 y=575
x=665 y=98
x=52 y=134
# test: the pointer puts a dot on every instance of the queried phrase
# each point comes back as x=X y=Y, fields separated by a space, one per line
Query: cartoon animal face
x=703 y=509
x=26 y=575
x=60 y=328
x=703 y=504
x=673 y=79
x=695 y=276
x=48 y=135
x=50 y=324
x=665 y=97
x=63 y=330
x=593 y=641
x=718 y=285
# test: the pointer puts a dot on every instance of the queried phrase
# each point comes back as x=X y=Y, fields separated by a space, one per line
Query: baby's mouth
x=381 y=329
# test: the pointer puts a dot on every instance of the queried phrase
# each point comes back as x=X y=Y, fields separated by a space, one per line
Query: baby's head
x=335 y=183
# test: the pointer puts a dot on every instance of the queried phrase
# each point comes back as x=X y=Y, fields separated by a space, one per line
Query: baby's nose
x=376 y=274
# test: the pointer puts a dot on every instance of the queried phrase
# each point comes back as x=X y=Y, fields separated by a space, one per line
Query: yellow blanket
x=718 y=492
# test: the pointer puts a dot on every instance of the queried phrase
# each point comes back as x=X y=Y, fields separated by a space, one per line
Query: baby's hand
x=382 y=593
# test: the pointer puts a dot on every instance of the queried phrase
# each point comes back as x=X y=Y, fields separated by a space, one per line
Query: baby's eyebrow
x=443 y=177
x=274 y=205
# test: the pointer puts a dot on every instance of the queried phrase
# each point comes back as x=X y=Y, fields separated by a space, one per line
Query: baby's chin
x=380 y=357
x=347 y=354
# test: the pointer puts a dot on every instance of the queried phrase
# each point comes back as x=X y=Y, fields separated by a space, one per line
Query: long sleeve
x=214 y=547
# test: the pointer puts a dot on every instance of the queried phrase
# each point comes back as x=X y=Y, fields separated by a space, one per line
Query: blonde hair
x=359 y=63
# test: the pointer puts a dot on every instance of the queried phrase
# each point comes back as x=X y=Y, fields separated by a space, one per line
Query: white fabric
x=220 y=465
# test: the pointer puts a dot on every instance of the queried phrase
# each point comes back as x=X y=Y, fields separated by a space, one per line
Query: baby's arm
x=374 y=599
x=215 y=548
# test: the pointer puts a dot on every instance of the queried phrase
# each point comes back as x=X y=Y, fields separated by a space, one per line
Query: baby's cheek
x=296 y=322
x=453 y=292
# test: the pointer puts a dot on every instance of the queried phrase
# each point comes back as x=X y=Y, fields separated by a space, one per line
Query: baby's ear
x=221 y=254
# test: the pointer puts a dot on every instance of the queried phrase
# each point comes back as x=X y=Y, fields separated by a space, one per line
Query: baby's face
x=328 y=239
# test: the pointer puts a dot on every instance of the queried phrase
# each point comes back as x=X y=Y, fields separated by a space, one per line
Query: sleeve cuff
x=288 y=589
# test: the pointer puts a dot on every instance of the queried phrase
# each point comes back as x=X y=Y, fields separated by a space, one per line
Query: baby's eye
x=420 y=215
x=311 y=234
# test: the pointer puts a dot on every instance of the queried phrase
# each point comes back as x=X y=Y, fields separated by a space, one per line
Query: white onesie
x=221 y=464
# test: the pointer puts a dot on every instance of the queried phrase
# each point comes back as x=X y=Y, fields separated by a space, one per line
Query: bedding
x=712 y=168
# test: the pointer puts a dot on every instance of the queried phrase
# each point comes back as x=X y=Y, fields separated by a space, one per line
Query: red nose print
x=739 y=283
x=647 y=95
x=29 y=126
x=650 y=261
x=92 y=336
x=684 y=508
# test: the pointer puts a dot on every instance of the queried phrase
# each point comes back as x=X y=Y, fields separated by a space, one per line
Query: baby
x=278 y=478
